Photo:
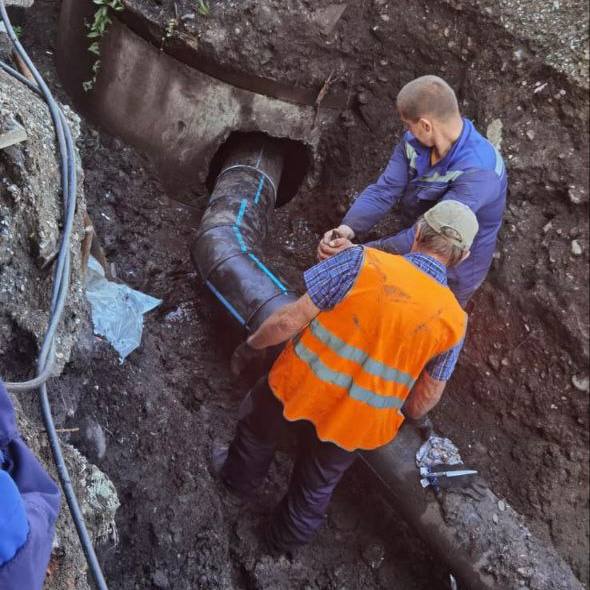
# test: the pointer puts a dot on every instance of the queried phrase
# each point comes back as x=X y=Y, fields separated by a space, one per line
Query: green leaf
x=203 y=7
x=94 y=48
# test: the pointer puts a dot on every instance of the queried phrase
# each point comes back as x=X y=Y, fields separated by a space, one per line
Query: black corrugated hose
x=59 y=292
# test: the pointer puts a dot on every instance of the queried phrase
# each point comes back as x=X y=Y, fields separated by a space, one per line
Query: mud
x=517 y=405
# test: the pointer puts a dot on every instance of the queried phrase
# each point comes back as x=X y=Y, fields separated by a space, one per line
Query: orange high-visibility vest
x=351 y=369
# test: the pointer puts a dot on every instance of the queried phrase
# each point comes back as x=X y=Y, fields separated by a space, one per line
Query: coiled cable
x=61 y=283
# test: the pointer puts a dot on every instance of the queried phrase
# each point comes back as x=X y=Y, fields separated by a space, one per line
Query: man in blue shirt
x=29 y=505
x=441 y=156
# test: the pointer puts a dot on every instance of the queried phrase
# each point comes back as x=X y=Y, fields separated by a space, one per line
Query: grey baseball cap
x=455 y=221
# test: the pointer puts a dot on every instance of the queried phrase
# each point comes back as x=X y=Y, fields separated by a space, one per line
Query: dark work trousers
x=318 y=468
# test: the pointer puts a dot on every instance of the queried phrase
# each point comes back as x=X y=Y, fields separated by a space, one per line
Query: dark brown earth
x=516 y=404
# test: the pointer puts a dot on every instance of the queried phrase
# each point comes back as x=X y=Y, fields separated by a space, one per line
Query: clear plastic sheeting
x=117 y=310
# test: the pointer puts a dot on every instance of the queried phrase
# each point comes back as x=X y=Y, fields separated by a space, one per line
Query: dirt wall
x=30 y=221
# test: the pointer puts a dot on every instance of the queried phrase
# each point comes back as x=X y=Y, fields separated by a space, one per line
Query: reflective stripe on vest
x=356 y=355
x=345 y=381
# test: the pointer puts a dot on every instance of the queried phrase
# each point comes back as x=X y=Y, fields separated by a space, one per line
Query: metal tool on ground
x=444 y=476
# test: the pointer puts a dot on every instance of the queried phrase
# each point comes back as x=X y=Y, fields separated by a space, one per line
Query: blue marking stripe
x=244 y=248
x=226 y=303
x=259 y=191
x=241 y=212
x=356 y=355
x=240 y=239
x=324 y=373
x=268 y=273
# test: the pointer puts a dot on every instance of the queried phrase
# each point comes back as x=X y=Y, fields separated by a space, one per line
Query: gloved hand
x=423 y=425
x=246 y=357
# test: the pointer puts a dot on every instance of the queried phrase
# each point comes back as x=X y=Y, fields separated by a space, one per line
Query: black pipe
x=234 y=225
x=484 y=546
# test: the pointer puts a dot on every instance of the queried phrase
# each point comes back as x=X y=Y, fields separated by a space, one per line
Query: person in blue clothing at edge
x=29 y=505
x=441 y=156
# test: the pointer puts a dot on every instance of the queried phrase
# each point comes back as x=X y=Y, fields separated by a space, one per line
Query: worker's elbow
x=435 y=393
x=430 y=384
x=425 y=395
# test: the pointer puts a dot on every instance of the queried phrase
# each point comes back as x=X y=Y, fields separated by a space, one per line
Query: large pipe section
x=226 y=250
x=483 y=541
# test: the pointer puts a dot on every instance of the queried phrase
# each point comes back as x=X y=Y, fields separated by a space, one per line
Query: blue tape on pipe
x=268 y=273
x=226 y=303
x=244 y=248
x=259 y=191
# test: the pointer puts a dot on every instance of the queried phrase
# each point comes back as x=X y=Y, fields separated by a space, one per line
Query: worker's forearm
x=377 y=199
x=400 y=243
x=425 y=394
x=368 y=209
x=419 y=407
x=276 y=329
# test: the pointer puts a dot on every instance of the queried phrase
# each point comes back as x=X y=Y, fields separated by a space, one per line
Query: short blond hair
x=427 y=96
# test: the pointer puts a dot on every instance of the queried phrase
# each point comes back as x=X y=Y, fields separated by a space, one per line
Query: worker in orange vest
x=370 y=344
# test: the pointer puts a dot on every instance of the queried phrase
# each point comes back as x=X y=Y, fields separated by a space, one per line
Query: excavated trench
x=462 y=528
x=520 y=386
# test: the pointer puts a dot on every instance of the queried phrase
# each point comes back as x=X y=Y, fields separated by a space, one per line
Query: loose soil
x=515 y=405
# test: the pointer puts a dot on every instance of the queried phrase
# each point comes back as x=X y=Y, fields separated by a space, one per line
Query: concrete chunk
x=327 y=18
x=10 y=132
x=21 y=3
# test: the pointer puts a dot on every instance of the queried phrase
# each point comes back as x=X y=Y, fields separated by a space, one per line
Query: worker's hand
x=423 y=425
x=246 y=357
x=334 y=241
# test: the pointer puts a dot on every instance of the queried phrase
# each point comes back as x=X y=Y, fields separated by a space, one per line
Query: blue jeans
x=318 y=467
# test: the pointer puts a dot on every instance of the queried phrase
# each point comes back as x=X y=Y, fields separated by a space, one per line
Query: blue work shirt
x=329 y=281
x=29 y=505
x=472 y=172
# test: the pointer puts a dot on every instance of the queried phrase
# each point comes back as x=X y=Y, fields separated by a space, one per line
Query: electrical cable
x=61 y=282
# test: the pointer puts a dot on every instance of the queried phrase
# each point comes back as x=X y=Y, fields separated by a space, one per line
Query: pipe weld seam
x=218 y=264
x=244 y=247
x=254 y=168
x=253 y=314
x=204 y=232
x=226 y=303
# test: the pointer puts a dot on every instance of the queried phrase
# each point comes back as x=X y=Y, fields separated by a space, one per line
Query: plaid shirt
x=329 y=281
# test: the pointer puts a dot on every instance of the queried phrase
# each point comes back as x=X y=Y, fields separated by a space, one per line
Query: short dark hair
x=430 y=240
x=427 y=95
